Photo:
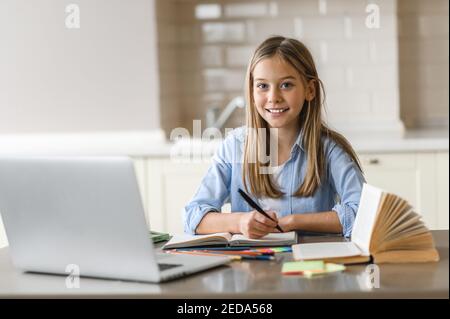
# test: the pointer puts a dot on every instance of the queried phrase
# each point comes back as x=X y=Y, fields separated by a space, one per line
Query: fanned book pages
x=227 y=239
x=386 y=227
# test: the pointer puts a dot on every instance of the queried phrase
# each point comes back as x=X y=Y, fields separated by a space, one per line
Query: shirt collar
x=299 y=141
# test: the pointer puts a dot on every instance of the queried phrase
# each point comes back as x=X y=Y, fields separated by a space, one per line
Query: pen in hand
x=255 y=206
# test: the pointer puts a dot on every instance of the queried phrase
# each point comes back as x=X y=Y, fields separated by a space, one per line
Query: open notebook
x=386 y=227
x=227 y=239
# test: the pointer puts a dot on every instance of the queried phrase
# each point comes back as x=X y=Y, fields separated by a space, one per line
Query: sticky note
x=329 y=268
x=298 y=267
x=310 y=268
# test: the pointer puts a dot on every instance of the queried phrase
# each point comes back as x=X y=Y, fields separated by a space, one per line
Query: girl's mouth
x=277 y=110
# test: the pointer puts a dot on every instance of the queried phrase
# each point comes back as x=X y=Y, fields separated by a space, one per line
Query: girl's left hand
x=286 y=223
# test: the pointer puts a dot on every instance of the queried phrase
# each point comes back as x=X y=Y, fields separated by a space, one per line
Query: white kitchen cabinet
x=155 y=193
x=180 y=183
x=171 y=186
x=3 y=239
x=140 y=168
x=420 y=178
x=412 y=176
x=442 y=189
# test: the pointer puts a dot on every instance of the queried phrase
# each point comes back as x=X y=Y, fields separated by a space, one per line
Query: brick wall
x=205 y=47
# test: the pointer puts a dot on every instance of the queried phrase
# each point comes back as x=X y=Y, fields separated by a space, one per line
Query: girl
x=316 y=183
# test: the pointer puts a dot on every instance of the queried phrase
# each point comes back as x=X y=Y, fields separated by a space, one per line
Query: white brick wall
x=246 y=10
x=424 y=51
x=208 y=11
x=214 y=32
x=223 y=80
x=260 y=29
x=359 y=66
x=238 y=55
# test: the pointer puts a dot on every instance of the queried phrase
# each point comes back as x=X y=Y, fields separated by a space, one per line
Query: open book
x=386 y=227
x=227 y=239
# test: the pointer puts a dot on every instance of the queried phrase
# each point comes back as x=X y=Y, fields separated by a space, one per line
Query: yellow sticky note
x=299 y=267
x=329 y=268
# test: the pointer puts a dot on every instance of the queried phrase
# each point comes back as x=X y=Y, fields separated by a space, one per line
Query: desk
x=248 y=279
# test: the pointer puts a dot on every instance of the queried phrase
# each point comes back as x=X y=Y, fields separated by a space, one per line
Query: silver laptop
x=84 y=211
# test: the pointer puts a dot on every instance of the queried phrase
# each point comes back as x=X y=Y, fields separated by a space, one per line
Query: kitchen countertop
x=411 y=141
x=154 y=144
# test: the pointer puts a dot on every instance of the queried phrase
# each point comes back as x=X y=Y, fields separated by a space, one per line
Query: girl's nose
x=274 y=97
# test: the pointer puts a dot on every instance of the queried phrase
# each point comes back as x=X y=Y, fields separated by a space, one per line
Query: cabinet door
x=442 y=189
x=409 y=175
x=3 y=239
x=155 y=194
x=140 y=169
x=171 y=186
x=180 y=182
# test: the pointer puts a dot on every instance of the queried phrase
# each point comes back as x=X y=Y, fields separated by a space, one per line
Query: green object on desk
x=329 y=268
x=297 y=267
x=158 y=236
x=310 y=268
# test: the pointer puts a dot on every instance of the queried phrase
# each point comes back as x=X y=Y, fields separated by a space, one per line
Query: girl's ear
x=310 y=90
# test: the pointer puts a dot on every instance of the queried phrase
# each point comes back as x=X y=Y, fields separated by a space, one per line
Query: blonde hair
x=313 y=127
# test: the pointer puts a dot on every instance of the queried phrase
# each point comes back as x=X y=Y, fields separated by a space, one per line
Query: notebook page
x=185 y=239
x=365 y=217
x=272 y=237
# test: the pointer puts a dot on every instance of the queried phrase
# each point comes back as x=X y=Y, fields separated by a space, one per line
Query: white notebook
x=325 y=250
x=227 y=239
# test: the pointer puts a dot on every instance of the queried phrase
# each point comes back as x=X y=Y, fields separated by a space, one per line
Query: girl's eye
x=286 y=85
x=261 y=86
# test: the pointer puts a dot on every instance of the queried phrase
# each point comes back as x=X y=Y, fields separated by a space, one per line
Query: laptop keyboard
x=167 y=266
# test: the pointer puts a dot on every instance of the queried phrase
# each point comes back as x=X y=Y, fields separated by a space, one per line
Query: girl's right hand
x=255 y=225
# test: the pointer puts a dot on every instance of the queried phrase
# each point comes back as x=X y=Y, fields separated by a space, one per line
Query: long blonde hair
x=313 y=127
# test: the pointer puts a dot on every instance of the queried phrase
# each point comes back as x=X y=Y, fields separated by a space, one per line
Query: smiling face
x=278 y=92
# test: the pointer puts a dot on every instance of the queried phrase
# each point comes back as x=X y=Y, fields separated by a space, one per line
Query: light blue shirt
x=339 y=191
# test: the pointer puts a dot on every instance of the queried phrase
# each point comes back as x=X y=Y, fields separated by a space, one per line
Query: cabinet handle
x=374 y=161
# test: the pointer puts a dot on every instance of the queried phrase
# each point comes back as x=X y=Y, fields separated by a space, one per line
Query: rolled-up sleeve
x=347 y=180
x=214 y=188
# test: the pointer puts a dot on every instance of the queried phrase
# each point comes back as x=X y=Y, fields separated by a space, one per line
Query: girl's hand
x=286 y=223
x=255 y=225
